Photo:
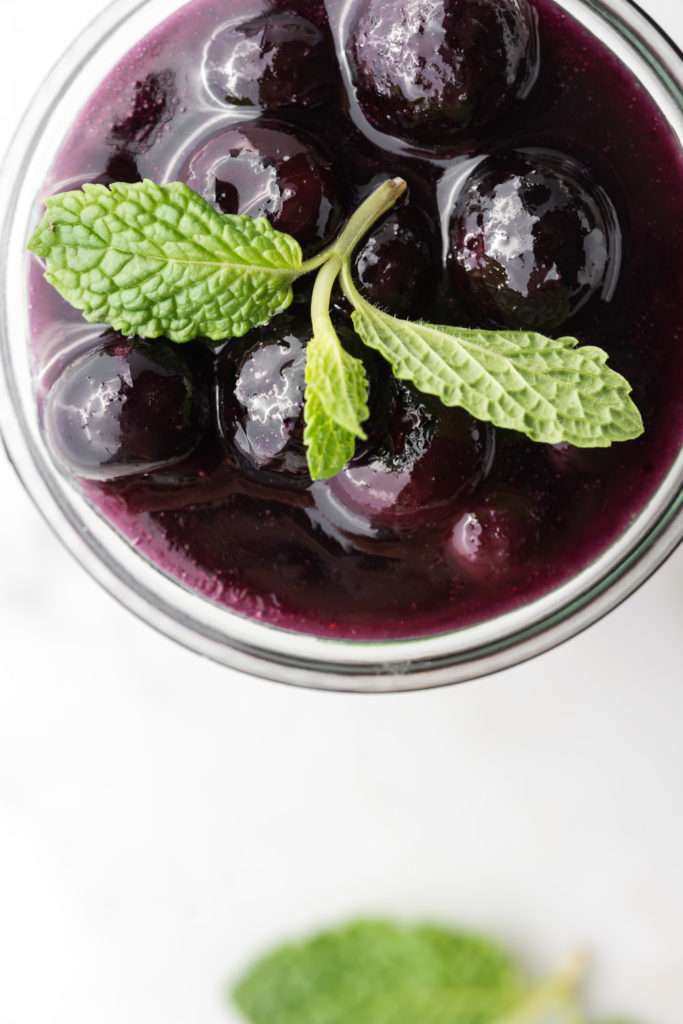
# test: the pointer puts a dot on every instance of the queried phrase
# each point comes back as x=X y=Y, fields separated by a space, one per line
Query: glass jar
x=214 y=630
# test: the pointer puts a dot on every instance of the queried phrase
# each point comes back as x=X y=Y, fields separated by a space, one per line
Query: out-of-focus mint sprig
x=378 y=972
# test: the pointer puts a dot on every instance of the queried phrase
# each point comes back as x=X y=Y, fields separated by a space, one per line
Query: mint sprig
x=157 y=260
x=378 y=972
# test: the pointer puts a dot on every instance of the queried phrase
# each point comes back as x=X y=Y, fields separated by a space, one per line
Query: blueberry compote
x=545 y=192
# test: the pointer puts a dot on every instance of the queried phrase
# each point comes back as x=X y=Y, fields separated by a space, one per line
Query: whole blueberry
x=495 y=540
x=129 y=407
x=277 y=61
x=532 y=239
x=429 y=458
x=261 y=393
x=425 y=69
x=395 y=267
x=267 y=169
x=261 y=388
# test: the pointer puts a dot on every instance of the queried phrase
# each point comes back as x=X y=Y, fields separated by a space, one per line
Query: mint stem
x=369 y=211
x=381 y=200
x=322 y=294
x=557 y=993
x=348 y=287
x=336 y=258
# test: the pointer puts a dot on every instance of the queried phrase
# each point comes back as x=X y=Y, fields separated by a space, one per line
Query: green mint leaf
x=336 y=403
x=548 y=389
x=381 y=973
x=338 y=379
x=328 y=446
x=157 y=260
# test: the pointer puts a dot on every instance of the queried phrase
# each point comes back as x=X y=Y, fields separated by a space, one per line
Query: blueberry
x=261 y=395
x=121 y=166
x=154 y=104
x=429 y=458
x=395 y=268
x=152 y=108
x=128 y=407
x=278 y=61
x=109 y=168
x=494 y=541
x=267 y=169
x=261 y=386
x=531 y=241
x=424 y=69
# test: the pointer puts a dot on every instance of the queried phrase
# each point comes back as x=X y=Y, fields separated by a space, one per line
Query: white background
x=162 y=819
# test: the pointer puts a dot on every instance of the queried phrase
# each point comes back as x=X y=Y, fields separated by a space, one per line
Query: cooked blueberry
x=429 y=457
x=265 y=169
x=121 y=166
x=276 y=61
x=109 y=168
x=395 y=267
x=261 y=388
x=532 y=240
x=154 y=103
x=261 y=396
x=424 y=69
x=129 y=407
x=495 y=540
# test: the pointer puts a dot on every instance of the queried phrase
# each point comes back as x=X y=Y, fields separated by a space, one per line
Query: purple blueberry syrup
x=545 y=192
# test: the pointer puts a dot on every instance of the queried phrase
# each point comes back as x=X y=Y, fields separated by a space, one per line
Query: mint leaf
x=381 y=973
x=338 y=379
x=548 y=389
x=336 y=403
x=328 y=446
x=152 y=259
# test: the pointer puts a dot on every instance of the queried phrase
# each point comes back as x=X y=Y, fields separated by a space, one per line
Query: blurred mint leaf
x=548 y=389
x=157 y=260
x=336 y=402
x=374 y=972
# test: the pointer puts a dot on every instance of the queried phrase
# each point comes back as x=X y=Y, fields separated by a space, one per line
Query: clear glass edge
x=276 y=654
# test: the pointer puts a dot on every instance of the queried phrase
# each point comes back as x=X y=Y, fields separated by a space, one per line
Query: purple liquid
x=298 y=557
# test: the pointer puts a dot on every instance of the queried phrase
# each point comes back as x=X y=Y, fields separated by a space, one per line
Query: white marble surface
x=163 y=819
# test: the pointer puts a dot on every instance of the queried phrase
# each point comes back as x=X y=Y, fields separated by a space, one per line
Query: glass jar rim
x=225 y=635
